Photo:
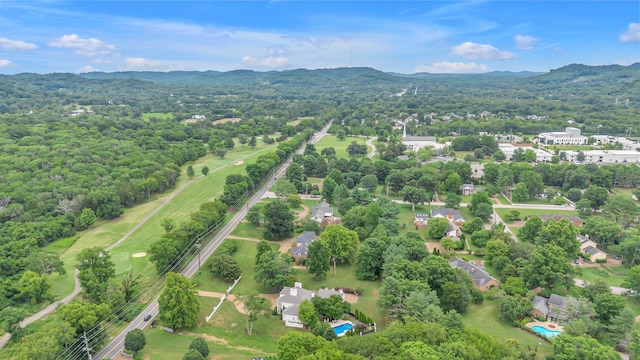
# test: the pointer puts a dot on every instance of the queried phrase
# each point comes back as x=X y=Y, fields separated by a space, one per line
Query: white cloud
x=8 y=44
x=139 y=63
x=525 y=42
x=475 y=51
x=271 y=62
x=452 y=67
x=86 y=69
x=632 y=34
x=5 y=62
x=85 y=47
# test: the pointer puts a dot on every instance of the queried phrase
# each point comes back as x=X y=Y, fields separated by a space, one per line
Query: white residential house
x=453 y=215
x=453 y=231
x=291 y=297
x=420 y=219
x=468 y=189
x=321 y=211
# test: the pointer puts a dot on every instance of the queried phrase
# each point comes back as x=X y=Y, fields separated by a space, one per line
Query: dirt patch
x=434 y=245
x=285 y=244
x=209 y=294
x=305 y=210
x=225 y=120
x=230 y=297
x=350 y=298
x=239 y=162
x=139 y=255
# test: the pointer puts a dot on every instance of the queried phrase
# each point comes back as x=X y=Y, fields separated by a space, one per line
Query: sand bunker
x=140 y=254
x=240 y=162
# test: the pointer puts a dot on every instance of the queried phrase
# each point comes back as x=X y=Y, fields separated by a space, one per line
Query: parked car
x=617 y=257
x=147 y=317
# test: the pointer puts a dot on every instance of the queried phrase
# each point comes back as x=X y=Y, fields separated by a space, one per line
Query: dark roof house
x=303 y=240
x=481 y=279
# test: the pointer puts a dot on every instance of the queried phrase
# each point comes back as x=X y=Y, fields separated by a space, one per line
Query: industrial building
x=604 y=156
x=570 y=136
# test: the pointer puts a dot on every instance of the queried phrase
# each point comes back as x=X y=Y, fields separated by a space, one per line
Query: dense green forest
x=77 y=148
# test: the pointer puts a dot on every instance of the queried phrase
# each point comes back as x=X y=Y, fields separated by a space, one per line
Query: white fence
x=224 y=296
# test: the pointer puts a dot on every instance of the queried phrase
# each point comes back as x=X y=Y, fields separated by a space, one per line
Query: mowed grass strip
x=339 y=145
x=105 y=233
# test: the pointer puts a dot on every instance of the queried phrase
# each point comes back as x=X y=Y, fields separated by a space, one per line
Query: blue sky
x=45 y=36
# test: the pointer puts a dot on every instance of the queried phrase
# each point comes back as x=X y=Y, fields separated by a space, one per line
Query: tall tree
x=178 y=303
x=318 y=260
x=597 y=195
x=621 y=209
x=278 y=221
x=253 y=306
x=95 y=269
x=34 y=287
x=414 y=196
x=205 y=170
x=253 y=142
x=273 y=269
x=341 y=242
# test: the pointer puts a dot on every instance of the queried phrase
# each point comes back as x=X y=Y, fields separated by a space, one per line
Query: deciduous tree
x=178 y=303
x=253 y=306
x=318 y=260
x=341 y=242
x=135 y=341
x=95 y=269
x=278 y=221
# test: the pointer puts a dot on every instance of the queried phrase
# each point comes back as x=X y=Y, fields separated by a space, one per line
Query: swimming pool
x=341 y=329
x=545 y=332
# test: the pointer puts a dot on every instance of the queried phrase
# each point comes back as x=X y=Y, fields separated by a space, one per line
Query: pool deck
x=337 y=323
x=545 y=324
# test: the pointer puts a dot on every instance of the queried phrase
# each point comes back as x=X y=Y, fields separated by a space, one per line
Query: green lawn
x=346 y=278
x=121 y=260
x=486 y=318
x=626 y=192
x=245 y=257
x=340 y=146
x=407 y=215
x=611 y=275
x=529 y=212
x=105 y=233
x=229 y=324
x=147 y=116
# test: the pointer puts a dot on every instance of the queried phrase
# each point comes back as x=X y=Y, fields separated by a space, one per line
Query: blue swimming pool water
x=343 y=328
x=545 y=332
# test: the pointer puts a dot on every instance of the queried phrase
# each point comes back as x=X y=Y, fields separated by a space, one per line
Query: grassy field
x=486 y=318
x=529 y=212
x=340 y=146
x=245 y=257
x=611 y=275
x=229 y=324
x=105 y=233
x=626 y=192
x=164 y=116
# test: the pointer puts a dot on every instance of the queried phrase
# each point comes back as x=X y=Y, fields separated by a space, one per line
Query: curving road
x=117 y=343
x=374 y=149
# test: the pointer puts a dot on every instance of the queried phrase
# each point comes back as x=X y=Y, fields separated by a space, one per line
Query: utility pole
x=86 y=346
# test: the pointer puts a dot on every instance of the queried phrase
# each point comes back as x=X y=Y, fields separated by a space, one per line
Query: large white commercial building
x=570 y=136
x=604 y=156
x=415 y=143
x=613 y=140
x=508 y=150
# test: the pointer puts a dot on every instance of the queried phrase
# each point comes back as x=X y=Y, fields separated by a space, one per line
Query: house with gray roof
x=420 y=219
x=555 y=309
x=453 y=215
x=291 y=297
x=588 y=246
x=467 y=189
x=301 y=246
x=481 y=279
x=321 y=211
x=576 y=221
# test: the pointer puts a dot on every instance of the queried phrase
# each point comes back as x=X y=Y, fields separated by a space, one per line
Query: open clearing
x=225 y=120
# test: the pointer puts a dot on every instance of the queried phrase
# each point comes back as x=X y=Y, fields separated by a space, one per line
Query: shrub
x=601 y=261
x=229 y=248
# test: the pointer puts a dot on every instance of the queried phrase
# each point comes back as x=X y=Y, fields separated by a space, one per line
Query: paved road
x=616 y=290
x=374 y=149
x=117 y=343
